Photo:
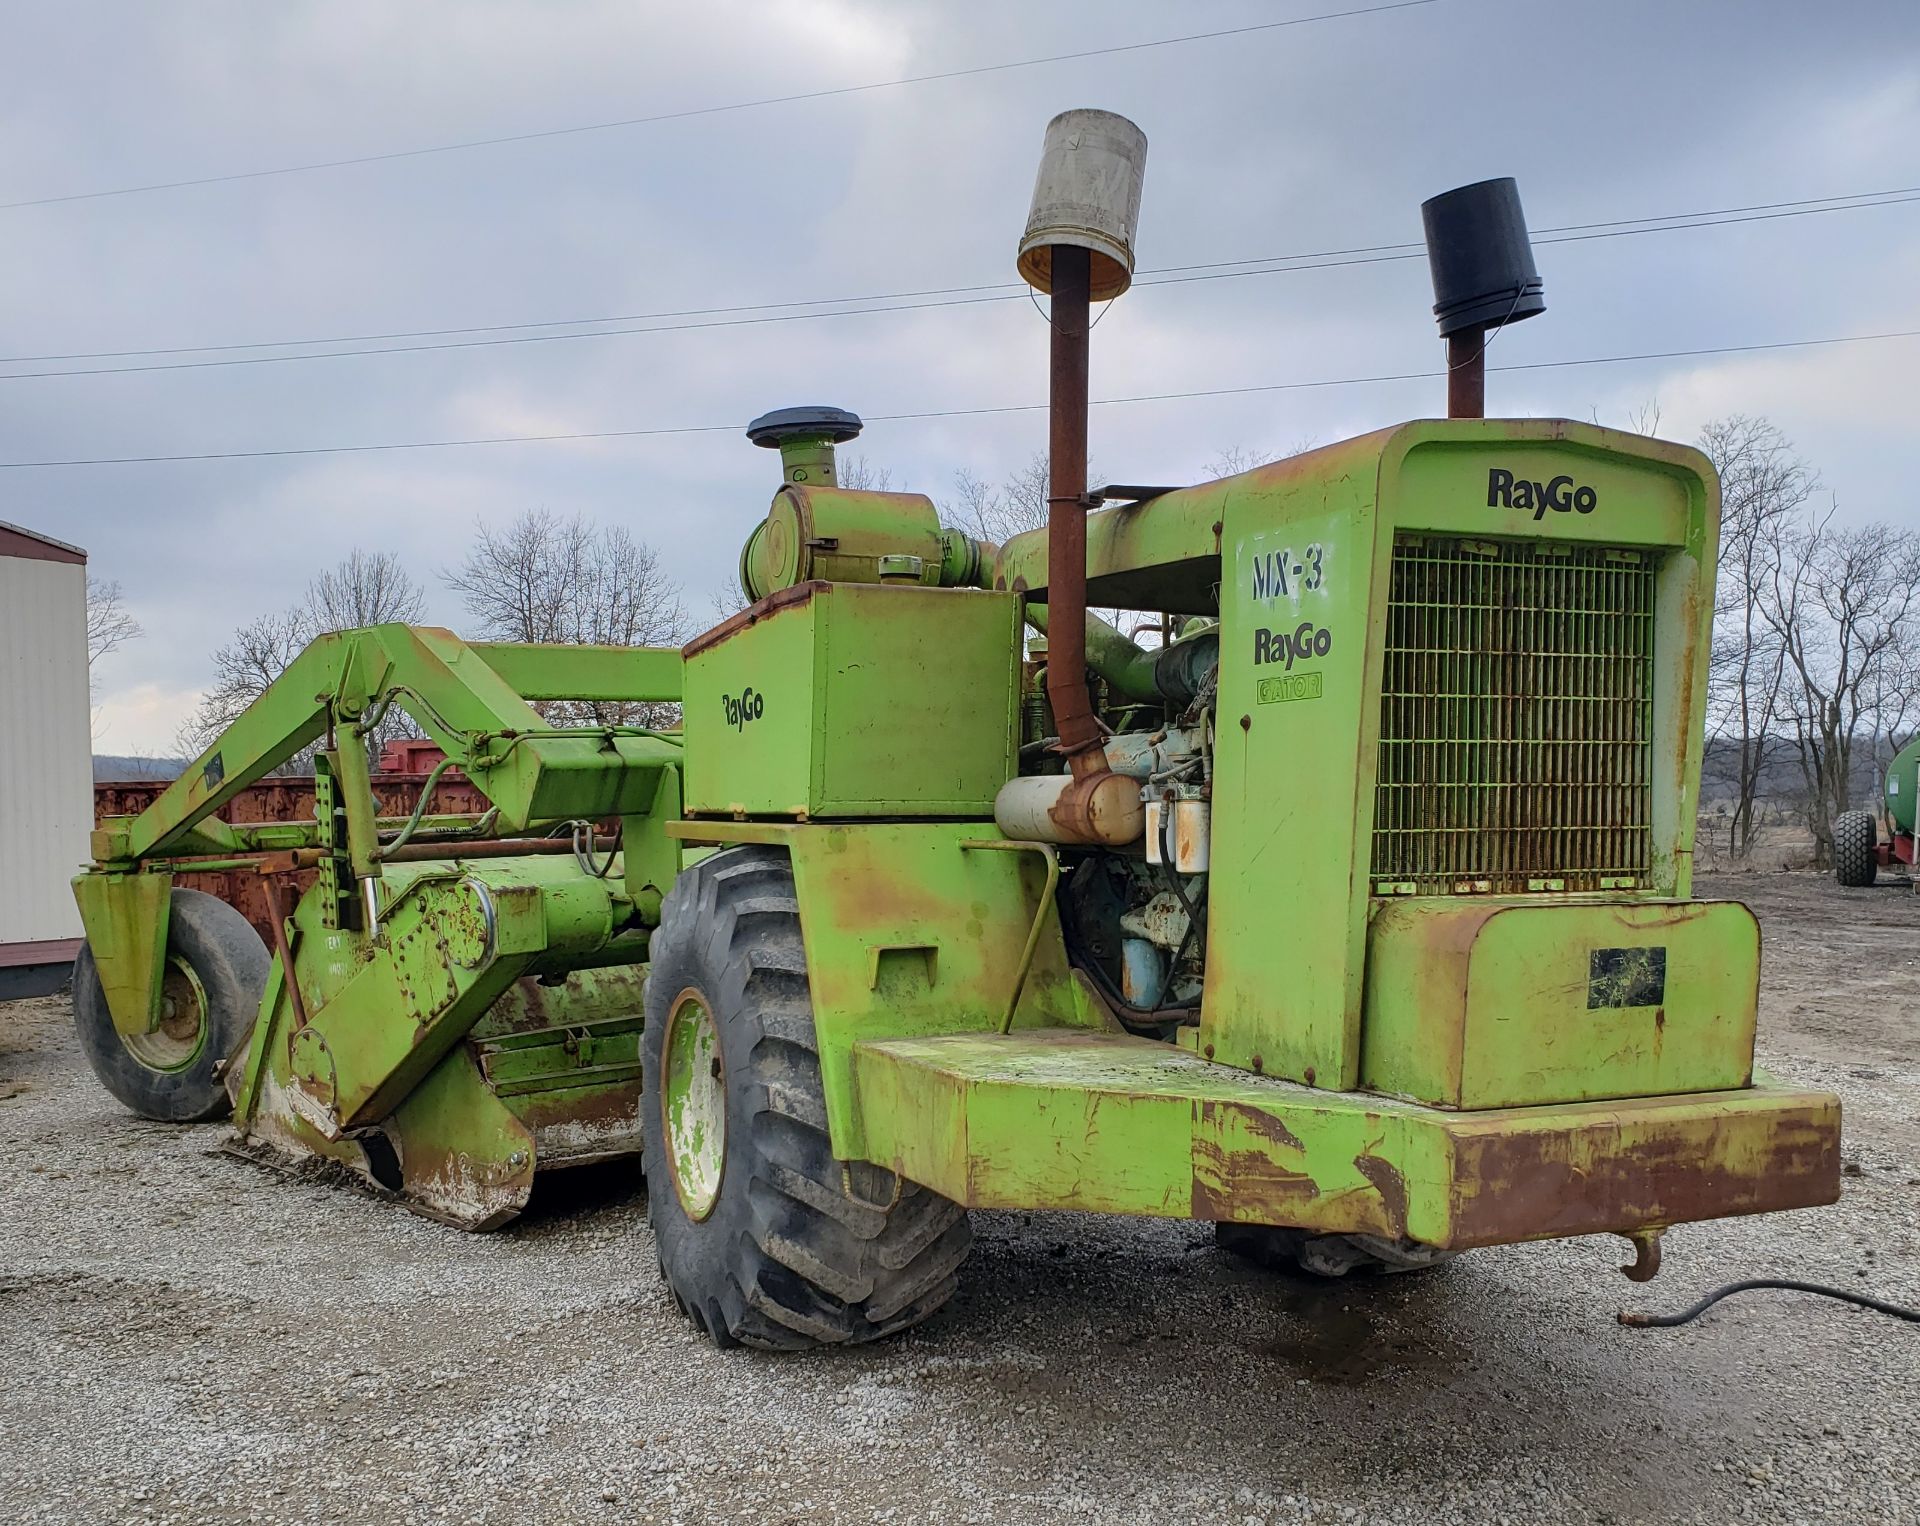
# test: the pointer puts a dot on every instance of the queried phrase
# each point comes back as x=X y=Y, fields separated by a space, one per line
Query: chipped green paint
x=693 y=1105
x=179 y=1032
x=1112 y=1124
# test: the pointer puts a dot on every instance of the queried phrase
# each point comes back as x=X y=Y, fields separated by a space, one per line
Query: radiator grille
x=1516 y=718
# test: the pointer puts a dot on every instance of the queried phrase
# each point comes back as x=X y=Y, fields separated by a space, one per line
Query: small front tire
x=215 y=971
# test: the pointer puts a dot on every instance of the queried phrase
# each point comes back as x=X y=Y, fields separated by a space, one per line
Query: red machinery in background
x=404 y=768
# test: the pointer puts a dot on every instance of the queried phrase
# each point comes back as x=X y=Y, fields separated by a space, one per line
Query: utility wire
x=956 y=413
x=1853 y=201
x=708 y=111
x=936 y=298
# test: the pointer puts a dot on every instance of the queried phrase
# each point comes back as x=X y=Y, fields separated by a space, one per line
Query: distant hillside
x=1780 y=777
x=116 y=768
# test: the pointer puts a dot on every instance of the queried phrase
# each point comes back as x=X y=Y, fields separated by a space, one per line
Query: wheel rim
x=176 y=1041
x=693 y=1104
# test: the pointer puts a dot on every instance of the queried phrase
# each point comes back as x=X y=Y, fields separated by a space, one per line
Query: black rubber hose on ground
x=1785 y=1284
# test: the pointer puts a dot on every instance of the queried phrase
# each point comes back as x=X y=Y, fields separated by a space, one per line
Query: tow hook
x=1646 y=1255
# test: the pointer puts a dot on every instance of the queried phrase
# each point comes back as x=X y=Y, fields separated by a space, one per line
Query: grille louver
x=1516 y=718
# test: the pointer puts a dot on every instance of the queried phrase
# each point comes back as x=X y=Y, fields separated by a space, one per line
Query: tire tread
x=810 y=1262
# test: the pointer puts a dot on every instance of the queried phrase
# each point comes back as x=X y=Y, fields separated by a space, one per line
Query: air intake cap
x=1480 y=257
x=836 y=426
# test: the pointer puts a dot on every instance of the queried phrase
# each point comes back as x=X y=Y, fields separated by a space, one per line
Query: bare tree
x=861 y=475
x=1841 y=601
x=366 y=588
x=109 y=625
x=1000 y=512
x=1014 y=506
x=1763 y=485
x=258 y=653
x=1642 y=419
x=1235 y=459
x=547 y=579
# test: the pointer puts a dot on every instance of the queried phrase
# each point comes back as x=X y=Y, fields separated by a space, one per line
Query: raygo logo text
x=1561 y=494
x=746 y=708
x=1303 y=641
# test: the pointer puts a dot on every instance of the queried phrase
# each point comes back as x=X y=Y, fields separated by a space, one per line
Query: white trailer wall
x=46 y=743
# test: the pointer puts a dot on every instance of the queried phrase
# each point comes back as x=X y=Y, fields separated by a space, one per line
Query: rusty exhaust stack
x=1067 y=512
x=1483 y=279
x=1078 y=249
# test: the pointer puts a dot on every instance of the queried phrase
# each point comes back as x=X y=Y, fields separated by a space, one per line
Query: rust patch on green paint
x=1528 y=1185
x=1257 y=1183
x=1265 y=1126
x=1390 y=1185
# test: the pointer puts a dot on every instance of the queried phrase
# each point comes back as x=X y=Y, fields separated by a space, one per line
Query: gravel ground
x=190 y=1338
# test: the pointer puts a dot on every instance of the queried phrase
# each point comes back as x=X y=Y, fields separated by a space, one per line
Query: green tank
x=1902 y=786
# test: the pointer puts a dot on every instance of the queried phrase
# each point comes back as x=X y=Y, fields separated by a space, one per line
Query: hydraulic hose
x=1785 y=1284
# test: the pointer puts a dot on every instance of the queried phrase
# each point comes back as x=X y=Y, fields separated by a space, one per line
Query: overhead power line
x=709 y=111
x=955 y=413
x=893 y=302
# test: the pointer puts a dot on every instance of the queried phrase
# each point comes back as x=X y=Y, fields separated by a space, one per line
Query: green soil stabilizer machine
x=1354 y=917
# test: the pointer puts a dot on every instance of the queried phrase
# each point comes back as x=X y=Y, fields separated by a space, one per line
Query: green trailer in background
x=1355 y=917
x=1859 y=850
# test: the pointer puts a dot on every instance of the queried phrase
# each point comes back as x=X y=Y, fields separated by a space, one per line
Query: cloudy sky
x=1316 y=137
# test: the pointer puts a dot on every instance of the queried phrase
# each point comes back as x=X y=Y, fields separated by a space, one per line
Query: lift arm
x=532 y=772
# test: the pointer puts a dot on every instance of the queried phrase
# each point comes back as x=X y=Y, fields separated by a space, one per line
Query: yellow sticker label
x=1285 y=686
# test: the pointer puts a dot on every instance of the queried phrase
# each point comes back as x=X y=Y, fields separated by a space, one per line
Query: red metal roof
x=32 y=546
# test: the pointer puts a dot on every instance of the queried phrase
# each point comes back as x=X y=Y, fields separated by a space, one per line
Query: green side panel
x=1472 y=1004
x=1099 y=1122
x=853 y=700
x=650 y=858
x=908 y=932
x=1292 y=772
x=125 y=919
x=611 y=673
x=751 y=713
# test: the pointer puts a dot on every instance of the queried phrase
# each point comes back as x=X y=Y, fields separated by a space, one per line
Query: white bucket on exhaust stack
x=1086 y=195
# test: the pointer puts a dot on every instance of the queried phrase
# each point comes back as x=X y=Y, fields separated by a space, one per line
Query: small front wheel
x=210 y=987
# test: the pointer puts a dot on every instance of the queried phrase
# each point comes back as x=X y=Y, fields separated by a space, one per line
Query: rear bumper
x=1095 y=1122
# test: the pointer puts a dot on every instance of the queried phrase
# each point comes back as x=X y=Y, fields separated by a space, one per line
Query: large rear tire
x=1296 y=1250
x=216 y=969
x=1855 y=863
x=764 y=1238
